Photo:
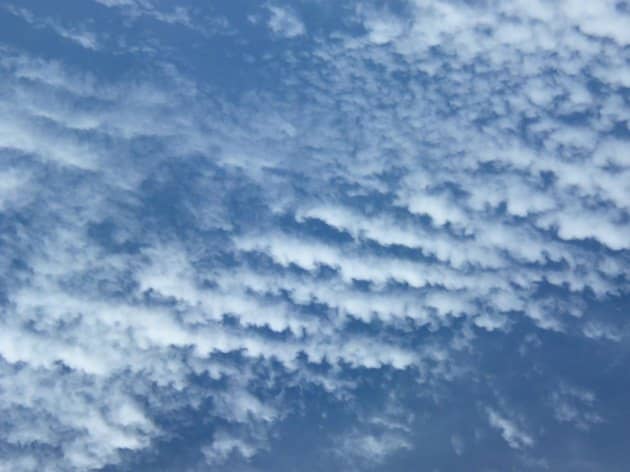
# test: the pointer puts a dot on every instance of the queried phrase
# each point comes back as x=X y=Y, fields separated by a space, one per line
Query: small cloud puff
x=285 y=22
x=514 y=435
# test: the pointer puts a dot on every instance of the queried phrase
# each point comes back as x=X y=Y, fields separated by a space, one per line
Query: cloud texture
x=389 y=230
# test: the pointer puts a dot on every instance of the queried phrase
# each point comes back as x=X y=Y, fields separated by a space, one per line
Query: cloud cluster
x=407 y=185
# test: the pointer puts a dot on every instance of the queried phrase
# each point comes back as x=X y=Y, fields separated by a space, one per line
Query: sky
x=314 y=235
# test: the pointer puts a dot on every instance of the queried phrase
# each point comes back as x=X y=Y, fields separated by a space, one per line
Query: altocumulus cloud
x=316 y=235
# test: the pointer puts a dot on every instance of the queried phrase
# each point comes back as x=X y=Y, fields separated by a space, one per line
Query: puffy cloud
x=284 y=22
x=224 y=445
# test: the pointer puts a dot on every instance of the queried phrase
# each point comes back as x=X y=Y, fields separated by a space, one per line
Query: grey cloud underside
x=395 y=205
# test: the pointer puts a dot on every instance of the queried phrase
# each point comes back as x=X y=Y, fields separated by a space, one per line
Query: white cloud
x=598 y=330
x=372 y=448
x=513 y=434
x=444 y=201
x=77 y=34
x=224 y=444
x=576 y=406
x=285 y=22
x=382 y=26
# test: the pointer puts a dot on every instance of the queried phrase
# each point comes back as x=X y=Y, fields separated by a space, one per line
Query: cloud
x=284 y=22
x=382 y=26
x=79 y=35
x=574 y=405
x=402 y=193
x=458 y=444
x=178 y=15
x=224 y=444
x=372 y=449
x=516 y=437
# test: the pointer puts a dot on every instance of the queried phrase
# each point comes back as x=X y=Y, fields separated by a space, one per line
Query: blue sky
x=314 y=235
